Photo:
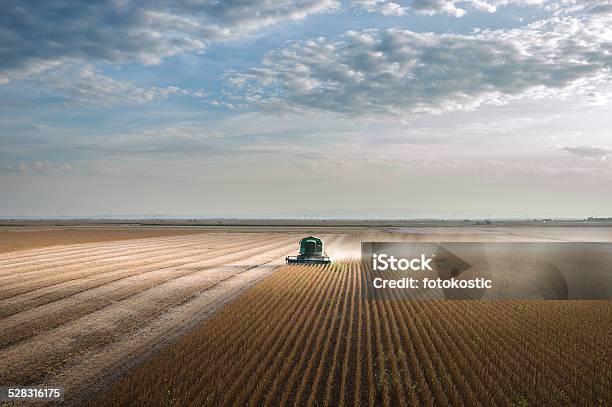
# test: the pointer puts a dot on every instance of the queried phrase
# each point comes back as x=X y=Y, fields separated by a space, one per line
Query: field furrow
x=127 y=273
x=50 y=274
x=99 y=307
x=217 y=319
x=307 y=336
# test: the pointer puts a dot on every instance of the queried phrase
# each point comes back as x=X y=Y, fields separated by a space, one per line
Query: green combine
x=311 y=252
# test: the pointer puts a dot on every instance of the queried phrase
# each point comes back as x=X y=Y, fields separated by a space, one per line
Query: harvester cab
x=311 y=252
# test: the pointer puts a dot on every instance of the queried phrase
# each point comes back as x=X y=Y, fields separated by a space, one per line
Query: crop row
x=308 y=336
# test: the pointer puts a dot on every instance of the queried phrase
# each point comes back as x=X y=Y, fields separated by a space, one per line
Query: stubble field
x=142 y=311
x=78 y=316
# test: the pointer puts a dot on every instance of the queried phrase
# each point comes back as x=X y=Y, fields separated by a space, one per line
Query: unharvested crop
x=308 y=335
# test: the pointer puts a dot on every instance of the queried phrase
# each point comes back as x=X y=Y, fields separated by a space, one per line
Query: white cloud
x=37 y=166
x=398 y=71
x=437 y=6
x=87 y=86
x=500 y=169
x=589 y=152
x=385 y=7
x=34 y=67
x=36 y=34
x=457 y=7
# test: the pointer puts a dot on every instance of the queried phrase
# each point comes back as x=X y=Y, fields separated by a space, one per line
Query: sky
x=306 y=108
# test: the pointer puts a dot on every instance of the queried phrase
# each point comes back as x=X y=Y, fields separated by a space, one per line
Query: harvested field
x=306 y=336
x=82 y=316
x=77 y=315
x=24 y=238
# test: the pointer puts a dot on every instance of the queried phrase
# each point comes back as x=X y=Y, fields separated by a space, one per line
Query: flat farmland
x=307 y=336
x=16 y=238
x=79 y=315
x=194 y=316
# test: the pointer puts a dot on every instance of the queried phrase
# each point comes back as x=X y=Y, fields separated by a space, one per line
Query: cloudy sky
x=324 y=107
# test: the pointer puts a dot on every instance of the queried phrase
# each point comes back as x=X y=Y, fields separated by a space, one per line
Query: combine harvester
x=311 y=252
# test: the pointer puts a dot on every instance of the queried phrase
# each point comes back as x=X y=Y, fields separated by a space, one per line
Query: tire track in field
x=60 y=259
x=58 y=277
x=46 y=352
x=175 y=260
x=104 y=276
x=121 y=252
x=40 y=253
x=103 y=264
x=83 y=379
x=26 y=324
x=75 y=244
x=70 y=252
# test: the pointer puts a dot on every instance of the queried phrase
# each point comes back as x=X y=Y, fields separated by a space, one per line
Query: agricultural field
x=24 y=238
x=78 y=315
x=307 y=336
x=188 y=316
